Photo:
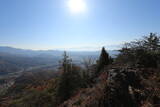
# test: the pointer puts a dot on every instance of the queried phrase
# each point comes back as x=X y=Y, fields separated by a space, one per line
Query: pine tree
x=103 y=60
x=69 y=80
x=65 y=63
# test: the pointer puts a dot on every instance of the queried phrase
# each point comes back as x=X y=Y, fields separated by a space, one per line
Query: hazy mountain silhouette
x=49 y=53
x=14 y=59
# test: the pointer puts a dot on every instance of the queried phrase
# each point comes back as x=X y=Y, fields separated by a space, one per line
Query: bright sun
x=77 y=6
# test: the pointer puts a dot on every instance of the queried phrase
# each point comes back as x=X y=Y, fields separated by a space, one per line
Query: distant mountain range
x=50 y=53
x=13 y=59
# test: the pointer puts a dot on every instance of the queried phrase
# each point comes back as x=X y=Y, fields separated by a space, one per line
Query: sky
x=76 y=24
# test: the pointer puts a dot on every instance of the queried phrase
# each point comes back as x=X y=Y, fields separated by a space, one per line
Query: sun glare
x=77 y=6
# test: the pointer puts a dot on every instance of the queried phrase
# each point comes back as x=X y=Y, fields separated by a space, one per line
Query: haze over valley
x=79 y=53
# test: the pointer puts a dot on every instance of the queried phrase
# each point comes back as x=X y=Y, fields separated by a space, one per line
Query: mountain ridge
x=31 y=53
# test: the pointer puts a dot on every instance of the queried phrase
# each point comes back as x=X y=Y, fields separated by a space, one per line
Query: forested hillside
x=131 y=79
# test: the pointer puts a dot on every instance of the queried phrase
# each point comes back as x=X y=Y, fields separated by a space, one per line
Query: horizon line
x=87 y=48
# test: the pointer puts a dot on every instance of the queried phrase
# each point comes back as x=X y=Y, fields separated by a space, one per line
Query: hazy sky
x=75 y=24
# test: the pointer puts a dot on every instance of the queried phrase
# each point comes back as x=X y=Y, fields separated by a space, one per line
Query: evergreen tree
x=103 y=60
x=69 y=80
x=65 y=63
